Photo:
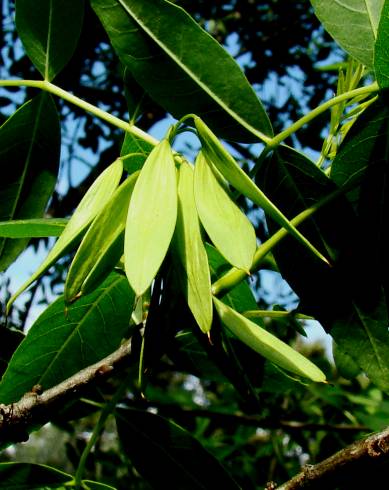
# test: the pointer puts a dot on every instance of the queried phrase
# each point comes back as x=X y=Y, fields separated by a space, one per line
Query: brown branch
x=352 y=467
x=36 y=407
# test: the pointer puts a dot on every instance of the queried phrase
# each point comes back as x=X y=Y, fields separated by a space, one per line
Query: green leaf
x=29 y=155
x=240 y=298
x=26 y=476
x=134 y=152
x=151 y=218
x=227 y=226
x=190 y=248
x=353 y=24
x=267 y=344
x=215 y=153
x=102 y=245
x=168 y=53
x=91 y=204
x=345 y=364
x=49 y=31
x=381 y=54
x=64 y=340
x=28 y=228
x=168 y=456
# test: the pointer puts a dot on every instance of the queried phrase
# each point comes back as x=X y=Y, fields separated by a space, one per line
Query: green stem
x=235 y=276
x=275 y=314
x=63 y=94
x=107 y=410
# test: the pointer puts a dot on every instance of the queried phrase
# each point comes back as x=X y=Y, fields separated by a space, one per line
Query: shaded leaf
x=134 y=152
x=168 y=53
x=353 y=24
x=102 y=245
x=190 y=247
x=49 y=31
x=26 y=476
x=266 y=344
x=151 y=218
x=29 y=155
x=227 y=226
x=167 y=455
x=64 y=340
x=94 y=485
x=91 y=204
x=381 y=54
x=28 y=228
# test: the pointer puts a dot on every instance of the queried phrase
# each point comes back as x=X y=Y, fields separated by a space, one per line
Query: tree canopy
x=187 y=154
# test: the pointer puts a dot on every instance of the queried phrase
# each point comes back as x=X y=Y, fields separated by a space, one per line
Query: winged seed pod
x=91 y=204
x=215 y=152
x=266 y=344
x=190 y=249
x=151 y=218
x=229 y=228
x=102 y=245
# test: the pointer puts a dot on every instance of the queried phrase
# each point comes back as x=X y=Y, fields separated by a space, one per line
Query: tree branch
x=349 y=467
x=36 y=408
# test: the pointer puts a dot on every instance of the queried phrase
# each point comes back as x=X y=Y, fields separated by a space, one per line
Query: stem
x=107 y=410
x=235 y=276
x=73 y=99
x=275 y=314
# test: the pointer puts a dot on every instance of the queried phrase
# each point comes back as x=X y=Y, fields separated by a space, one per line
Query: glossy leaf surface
x=168 y=53
x=64 y=340
x=91 y=204
x=49 y=30
x=167 y=455
x=28 y=228
x=353 y=24
x=190 y=247
x=151 y=218
x=25 y=476
x=102 y=245
x=266 y=344
x=29 y=155
x=229 y=229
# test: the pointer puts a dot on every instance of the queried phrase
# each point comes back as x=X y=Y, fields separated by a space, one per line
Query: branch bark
x=355 y=466
x=37 y=408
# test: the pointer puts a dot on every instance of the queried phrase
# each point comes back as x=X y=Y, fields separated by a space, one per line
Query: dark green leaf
x=352 y=23
x=94 y=485
x=134 y=152
x=28 y=228
x=381 y=53
x=347 y=297
x=168 y=456
x=63 y=341
x=168 y=53
x=26 y=476
x=29 y=157
x=49 y=30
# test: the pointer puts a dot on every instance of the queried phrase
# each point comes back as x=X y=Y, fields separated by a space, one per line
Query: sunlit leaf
x=28 y=228
x=168 y=53
x=267 y=344
x=49 y=31
x=102 y=245
x=381 y=54
x=64 y=340
x=353 y=24
x=228 y=227
x=167 y=455
x=91 y=204
x=151 y=218
x=189 y=244
x=29 y=157
x=215 y=153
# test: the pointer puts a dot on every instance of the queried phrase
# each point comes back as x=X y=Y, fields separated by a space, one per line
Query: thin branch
x=346 y=467
x=35 y=408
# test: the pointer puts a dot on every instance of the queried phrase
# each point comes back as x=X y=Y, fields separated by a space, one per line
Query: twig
x=346 y=467
x=36 y=407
